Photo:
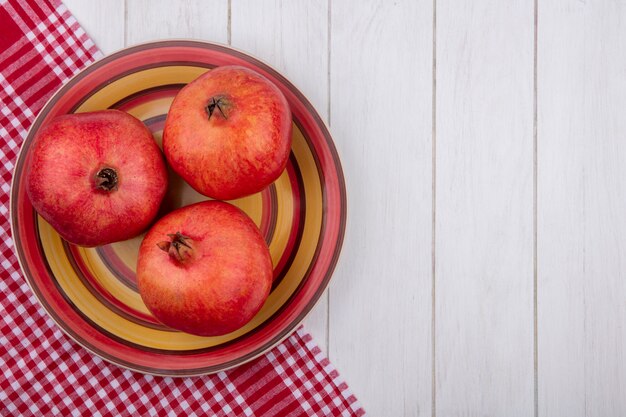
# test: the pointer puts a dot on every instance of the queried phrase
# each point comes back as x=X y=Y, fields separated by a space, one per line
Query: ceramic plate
x=92 y=293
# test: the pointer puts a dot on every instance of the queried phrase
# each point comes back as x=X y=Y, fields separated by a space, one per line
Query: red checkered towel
x=46 y=373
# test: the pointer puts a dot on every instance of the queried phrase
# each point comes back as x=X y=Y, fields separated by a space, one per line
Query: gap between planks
x=535 y=174
x=434 y=218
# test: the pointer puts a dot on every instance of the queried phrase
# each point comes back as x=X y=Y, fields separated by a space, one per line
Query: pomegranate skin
x=204 y=269
x=96 y=177
x=228 y=133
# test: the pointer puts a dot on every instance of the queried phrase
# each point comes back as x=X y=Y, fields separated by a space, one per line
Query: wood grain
x=381 y=118
x=294 y=40
x=484 y=209
x=161 y=19
x=581 y=204
x=102 y=20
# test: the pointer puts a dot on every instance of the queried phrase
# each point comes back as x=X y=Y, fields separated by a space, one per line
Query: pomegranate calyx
x=217 y=102
x=106 y=179
x=178 y=248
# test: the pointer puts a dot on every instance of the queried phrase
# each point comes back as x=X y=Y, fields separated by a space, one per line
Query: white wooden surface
x=482 y=266
x=581 y=206
x=381 y=119
x=484 y=209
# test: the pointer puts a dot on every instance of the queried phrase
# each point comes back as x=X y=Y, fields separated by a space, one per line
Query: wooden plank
x=102 y=20
x=381 y=118
x=484 y=209
x=148 y=20
x=581 y=204
x=294 y=40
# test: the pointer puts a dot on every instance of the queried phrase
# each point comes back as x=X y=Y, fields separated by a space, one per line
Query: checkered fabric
x=43 y=372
